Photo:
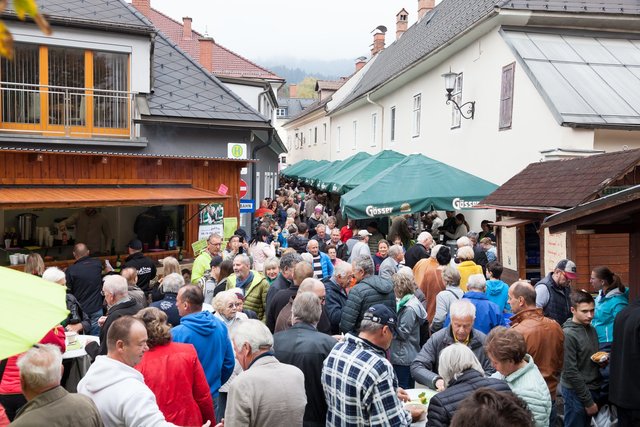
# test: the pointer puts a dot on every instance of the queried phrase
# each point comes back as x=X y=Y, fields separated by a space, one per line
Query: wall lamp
x=449 y=85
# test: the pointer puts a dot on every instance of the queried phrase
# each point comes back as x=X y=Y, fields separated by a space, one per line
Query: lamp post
x=449 y=85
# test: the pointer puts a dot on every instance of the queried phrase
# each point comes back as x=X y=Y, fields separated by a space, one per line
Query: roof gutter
x=370 y=101
x=253 y=171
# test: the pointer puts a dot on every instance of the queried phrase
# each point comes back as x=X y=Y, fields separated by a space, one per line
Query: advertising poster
x=555 y=249
x=509 y=247
x=211 y=220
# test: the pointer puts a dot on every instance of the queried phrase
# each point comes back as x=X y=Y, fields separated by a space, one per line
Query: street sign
x=247 y=206
x=243 y=188
x=223 y=189
x=236 y=151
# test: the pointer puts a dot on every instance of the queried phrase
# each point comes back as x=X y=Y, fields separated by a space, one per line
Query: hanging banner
x=555 y=249
x=509 y=247
x=211 y=219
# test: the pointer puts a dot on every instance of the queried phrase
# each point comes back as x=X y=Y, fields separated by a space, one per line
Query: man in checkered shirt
x=359 y=382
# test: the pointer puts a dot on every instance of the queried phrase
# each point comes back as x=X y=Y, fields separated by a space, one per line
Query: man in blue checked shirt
x=359 y=382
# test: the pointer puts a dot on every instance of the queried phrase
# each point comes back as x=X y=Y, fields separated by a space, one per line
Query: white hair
x=454 y=360
x=312 y=241
x=435 y=250
x=307 y=257
x=463 y=241
x=253 y=332
x=55 y=275
x=394 y=251
x=465 y=253
x=116 y=284
x=306 y=308
x=424 y=236
x=172 y=283
x=244 y=258
x=477 y=282
x=405 y=271
x=40 y=366
x=461 y=309
x=222 y=299
x=342 y=269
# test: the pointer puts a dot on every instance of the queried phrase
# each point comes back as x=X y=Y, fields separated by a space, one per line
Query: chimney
x=293 y=90
x=401 y=23
x=360 y=62
x=425 y=6
x=206 y=53
x=378 y=44
x=186 y=28
x=143 y=6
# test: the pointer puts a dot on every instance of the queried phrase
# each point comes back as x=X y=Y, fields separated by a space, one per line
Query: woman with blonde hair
x=174 y=374
x=34 y=264
x=169 y=265
x=467 y=266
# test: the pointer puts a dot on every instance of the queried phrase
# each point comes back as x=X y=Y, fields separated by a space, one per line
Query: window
x=310 y=137
x=324 y=131
x=281 y=112
x=506 y=96
x=374 y=126
x=338 y=134
x=457 y=97
x=417 y=101
x=86 y=91
x=315 y=135
x=392 y=117
x=355 y=134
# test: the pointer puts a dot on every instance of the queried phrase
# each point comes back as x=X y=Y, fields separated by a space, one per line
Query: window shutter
x=506 y=96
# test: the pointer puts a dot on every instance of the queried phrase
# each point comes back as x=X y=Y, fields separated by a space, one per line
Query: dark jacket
x=305 y=348
x=146 y=270
x=370 y=291
x=336 y=297
x=443 y=405
x=284 y=320
x=279 y=284
x=128 y=307
x=59 y=408
x=480 y=258
x=298 y=242
x=76 y=314
x=168 y=305
x=559 y=306
x=424 y=368
x=414 y=254
x=579 y=372
x=280 y=300
x=84 y=281
x=624 y=389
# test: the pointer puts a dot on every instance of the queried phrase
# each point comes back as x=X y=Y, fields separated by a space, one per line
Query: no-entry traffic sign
x=243 y=188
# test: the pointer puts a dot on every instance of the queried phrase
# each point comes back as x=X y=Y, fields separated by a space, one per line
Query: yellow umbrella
x=29 y=308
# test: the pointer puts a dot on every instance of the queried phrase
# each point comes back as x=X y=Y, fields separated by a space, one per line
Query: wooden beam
x=634 y=259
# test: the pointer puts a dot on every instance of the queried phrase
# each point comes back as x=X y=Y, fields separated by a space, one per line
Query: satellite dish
x=380 y=28
x=361 y=58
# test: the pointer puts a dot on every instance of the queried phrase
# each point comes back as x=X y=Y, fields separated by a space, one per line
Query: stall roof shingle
x=563 y=183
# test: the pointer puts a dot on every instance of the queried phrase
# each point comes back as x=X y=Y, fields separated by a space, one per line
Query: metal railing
x=65 y=111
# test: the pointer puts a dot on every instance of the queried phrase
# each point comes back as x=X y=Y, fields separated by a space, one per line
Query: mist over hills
x=294 y=70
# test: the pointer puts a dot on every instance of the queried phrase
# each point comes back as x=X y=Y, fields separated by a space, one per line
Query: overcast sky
x=273 y=29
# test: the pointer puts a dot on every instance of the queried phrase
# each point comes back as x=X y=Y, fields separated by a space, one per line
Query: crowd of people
x=315 y=323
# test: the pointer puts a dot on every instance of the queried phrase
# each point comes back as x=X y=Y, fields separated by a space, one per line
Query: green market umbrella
x=309 y=175
x=301 y=173
x=321 y=181
x=291 y=170
x=416 y=184
x=328 y=170
x=29 y=308
x=363 y=171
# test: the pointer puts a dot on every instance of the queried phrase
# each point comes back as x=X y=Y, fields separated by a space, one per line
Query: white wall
x=311 y=149
x=139 y=47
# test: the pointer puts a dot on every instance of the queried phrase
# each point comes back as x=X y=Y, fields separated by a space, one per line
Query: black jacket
x=443 y=405
x=279 y=301
x=125 y=308
x=146 y=270
x=281 y=283
x=624 y=388
x=298 y=242
x=414 y=254
x=168 y=305
x=84 y=281
x=305 y=348
x=480 y=258
x=370 y=291
x=77 y=315
x=336 y=297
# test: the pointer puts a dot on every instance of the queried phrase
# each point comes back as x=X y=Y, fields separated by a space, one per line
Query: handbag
x=607 y=416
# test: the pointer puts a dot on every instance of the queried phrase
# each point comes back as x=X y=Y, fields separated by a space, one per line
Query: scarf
x=403 y=301
x=245 y=282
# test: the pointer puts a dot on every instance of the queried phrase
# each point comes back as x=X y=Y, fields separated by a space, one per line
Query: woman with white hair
x=77 y=321
x=225 y=306
x=463 y=375
x=451 y=293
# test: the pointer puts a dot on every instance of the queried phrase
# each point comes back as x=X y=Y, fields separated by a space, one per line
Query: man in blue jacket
x=488 y=314
x=322 y=267
x=208 y=335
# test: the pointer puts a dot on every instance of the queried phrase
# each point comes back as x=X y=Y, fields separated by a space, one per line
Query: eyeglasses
x=234 y=304
x=215 y=243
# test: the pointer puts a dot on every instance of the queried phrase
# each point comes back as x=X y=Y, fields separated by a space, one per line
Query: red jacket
x=11 y=379
x=174 y=374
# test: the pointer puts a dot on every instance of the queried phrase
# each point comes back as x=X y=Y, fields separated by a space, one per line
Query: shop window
x=417 y=106
x=69 y=91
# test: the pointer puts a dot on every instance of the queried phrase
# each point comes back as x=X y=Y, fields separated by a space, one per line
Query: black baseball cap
x=383 y=315
x=216 y=261
x=135 y=244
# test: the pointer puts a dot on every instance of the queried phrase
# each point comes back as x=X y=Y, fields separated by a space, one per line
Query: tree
x=307 y=88
x=23 y=8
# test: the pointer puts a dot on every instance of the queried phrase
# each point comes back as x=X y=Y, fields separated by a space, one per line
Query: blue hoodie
x=210 y=338
x=498 y=293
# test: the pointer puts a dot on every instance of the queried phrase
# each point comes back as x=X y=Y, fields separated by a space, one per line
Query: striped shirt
x=360 y=386
x=317 y=267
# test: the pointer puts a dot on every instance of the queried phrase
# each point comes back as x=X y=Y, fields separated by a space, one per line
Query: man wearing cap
x=553 y=291
x=361 y=248
x=145 y=267
x=359 y=384
x=202 y=262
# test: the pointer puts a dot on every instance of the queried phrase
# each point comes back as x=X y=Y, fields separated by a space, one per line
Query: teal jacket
x=607 y=308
